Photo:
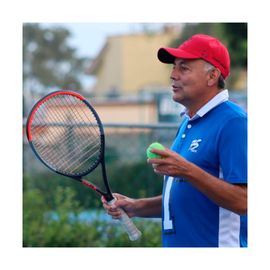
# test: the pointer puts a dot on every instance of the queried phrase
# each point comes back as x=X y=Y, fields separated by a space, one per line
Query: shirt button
x=189 y=126
x=183 y=136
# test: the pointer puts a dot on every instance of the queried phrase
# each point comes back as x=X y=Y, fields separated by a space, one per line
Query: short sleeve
x=233 y=150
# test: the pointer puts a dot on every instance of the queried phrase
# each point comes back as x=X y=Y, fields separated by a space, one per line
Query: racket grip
x=131 y=229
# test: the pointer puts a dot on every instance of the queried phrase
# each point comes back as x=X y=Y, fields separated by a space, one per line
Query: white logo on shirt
x=194 y=145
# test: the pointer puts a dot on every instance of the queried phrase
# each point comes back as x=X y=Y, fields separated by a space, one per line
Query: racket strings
x=66 y=135
x=77 y=150
x=69 y=132
x=71 y=153
x=44 y=149
x=95 y=143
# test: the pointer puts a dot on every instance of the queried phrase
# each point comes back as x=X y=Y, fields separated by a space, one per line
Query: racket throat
x=108 y=197
x=93 y=187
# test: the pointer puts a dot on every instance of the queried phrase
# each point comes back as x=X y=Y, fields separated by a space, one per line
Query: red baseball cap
x=200 y=46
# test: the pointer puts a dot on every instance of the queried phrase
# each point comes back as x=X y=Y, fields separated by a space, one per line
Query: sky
x=89 y=38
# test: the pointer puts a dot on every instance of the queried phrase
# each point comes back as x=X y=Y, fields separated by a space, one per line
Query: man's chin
x=177 y=98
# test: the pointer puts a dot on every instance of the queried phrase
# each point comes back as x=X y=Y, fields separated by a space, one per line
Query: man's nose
x=174 y=76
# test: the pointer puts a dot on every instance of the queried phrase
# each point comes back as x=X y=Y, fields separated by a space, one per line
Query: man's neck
x=192 y=109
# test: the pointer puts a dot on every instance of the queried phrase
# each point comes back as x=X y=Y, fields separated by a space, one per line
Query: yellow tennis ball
x=155 y=145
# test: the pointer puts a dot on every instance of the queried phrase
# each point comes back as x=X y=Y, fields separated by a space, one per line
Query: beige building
x=128 y=64
x=127 y=112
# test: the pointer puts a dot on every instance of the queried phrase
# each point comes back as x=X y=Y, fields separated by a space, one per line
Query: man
x=204 y=200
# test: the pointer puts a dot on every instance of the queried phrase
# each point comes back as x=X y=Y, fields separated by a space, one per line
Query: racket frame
x=101 y=160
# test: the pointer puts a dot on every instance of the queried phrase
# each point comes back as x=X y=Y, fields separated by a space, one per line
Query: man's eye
x=184 y=67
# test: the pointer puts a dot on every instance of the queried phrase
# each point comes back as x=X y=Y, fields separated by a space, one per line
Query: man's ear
x=214 y=75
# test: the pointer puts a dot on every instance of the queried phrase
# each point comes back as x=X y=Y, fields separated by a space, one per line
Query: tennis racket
x=66 y=134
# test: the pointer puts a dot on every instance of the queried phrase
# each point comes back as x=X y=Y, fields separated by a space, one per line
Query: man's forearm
x=149 y=207
x=229 y=196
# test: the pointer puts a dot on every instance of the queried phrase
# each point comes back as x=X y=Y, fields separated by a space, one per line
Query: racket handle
x=131 y=229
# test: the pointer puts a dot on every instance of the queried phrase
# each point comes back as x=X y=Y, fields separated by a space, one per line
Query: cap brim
x=168 y=55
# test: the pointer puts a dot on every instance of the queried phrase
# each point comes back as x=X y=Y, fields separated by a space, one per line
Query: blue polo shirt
x=215 y=139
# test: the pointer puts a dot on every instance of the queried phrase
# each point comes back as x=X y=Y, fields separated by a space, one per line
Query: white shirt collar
x=212 y=103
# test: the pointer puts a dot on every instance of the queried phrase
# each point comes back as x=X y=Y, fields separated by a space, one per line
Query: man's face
x=189 y=80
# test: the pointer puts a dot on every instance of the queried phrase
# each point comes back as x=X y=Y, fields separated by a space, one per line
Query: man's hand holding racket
x=122 y=202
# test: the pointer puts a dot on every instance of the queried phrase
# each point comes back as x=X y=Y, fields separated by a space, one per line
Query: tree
x=49 y=62
x=236 y=36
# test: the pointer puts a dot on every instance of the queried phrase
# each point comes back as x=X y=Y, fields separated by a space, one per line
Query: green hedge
x=65 y=229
